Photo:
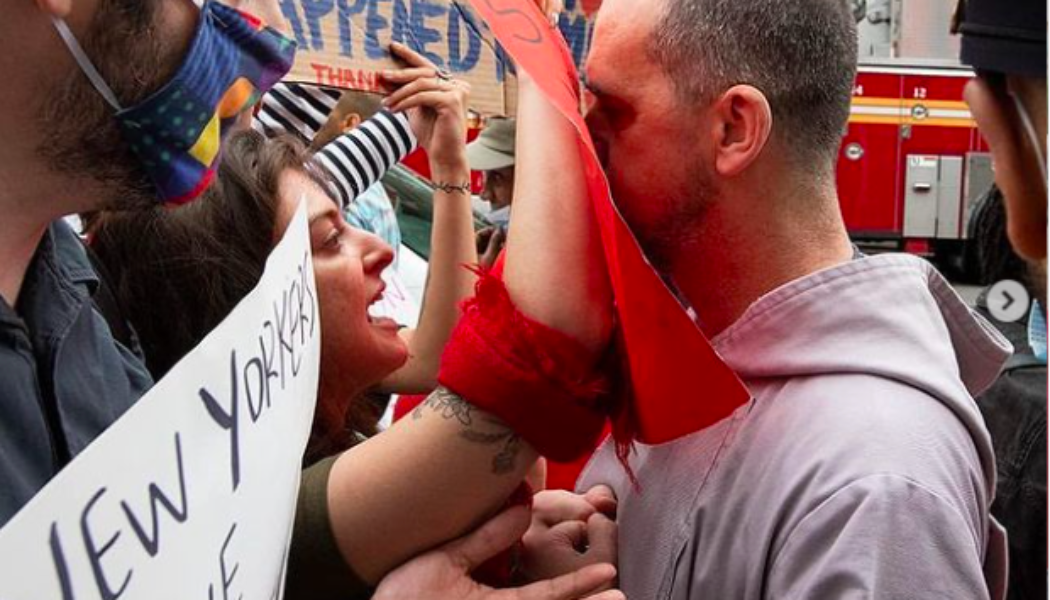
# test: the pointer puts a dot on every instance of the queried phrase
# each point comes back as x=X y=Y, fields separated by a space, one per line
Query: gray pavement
x=968 y=292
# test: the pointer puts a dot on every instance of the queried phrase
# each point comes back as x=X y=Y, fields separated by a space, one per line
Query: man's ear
x=742 y=124
x=351 y=121
x=56 y=8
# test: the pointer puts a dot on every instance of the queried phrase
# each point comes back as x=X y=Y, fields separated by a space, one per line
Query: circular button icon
x=1008 y=301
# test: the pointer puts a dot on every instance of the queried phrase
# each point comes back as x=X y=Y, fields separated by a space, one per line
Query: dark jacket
x=1014 y=409
x=63 y=378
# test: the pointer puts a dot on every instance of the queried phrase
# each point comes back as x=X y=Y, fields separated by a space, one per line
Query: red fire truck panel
x=903 y=166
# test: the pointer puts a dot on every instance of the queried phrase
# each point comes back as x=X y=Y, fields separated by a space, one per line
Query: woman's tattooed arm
x=478 y=427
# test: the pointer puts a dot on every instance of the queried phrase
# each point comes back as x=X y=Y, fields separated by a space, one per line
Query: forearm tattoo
x=451 y=188
x=448 y=405
x=479 y=428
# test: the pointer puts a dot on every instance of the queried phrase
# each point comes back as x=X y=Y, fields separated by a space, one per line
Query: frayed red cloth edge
x=536 y=379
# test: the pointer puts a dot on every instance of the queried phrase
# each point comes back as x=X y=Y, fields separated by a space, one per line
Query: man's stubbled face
x=646 y=138
x=81 y=137
x=499 y=187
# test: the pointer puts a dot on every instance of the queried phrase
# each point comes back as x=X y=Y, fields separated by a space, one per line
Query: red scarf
x=664 y=355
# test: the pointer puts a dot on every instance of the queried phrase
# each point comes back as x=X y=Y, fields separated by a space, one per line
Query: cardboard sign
x=343 y=43
x=665 y=353
x=191 y=494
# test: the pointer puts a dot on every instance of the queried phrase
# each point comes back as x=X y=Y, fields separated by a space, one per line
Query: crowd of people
x=861 y=467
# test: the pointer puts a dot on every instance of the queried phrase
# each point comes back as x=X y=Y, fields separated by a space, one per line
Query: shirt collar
x=59 y=279
x=70 y=255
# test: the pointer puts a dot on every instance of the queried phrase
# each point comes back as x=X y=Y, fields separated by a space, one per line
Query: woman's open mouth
x=375 y=318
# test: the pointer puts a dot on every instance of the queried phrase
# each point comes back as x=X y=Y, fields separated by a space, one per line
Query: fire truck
x=912 y=165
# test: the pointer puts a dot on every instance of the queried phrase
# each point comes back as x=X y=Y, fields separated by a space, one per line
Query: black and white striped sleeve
x=294 y=108
x=360 y=158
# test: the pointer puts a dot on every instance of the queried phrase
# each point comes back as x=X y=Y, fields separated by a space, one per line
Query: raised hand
x=435 y=102
x=490 y=242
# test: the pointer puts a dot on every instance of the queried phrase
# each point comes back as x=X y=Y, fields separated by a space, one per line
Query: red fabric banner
x=679 y=384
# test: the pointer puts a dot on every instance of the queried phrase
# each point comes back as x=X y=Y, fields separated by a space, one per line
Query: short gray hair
x=801 y=54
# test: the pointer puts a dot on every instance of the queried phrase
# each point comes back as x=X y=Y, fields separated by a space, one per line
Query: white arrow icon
x=1008 y=301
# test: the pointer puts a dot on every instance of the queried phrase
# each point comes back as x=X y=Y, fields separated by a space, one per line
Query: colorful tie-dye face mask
x=177 y=132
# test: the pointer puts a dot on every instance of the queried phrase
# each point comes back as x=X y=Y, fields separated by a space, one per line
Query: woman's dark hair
x=177 y=273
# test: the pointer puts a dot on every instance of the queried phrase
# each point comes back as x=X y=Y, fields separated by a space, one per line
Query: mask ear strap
x=1033 y=135
x=85 y=63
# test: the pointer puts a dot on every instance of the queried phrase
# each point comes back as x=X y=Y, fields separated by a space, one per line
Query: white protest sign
x=192 y=493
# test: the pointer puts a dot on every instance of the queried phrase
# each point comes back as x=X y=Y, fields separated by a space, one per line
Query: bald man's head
x=353 y=108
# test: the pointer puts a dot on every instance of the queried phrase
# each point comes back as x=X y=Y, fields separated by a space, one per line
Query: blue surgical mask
x=177 y=132
x=1037 y=331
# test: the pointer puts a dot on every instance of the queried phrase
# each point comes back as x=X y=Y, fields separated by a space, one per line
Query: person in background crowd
x=492 y=153
x=63 y=377
x=353 y=108
x=862 y=466
x=1015 y=408
x=1005 y=43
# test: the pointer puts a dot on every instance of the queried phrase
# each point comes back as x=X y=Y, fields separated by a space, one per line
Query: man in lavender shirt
x=861 y=468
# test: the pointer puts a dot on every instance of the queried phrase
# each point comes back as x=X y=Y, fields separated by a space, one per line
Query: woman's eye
x=334 y=239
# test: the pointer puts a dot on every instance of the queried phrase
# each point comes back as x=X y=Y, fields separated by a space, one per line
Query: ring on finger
x=444 y=75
